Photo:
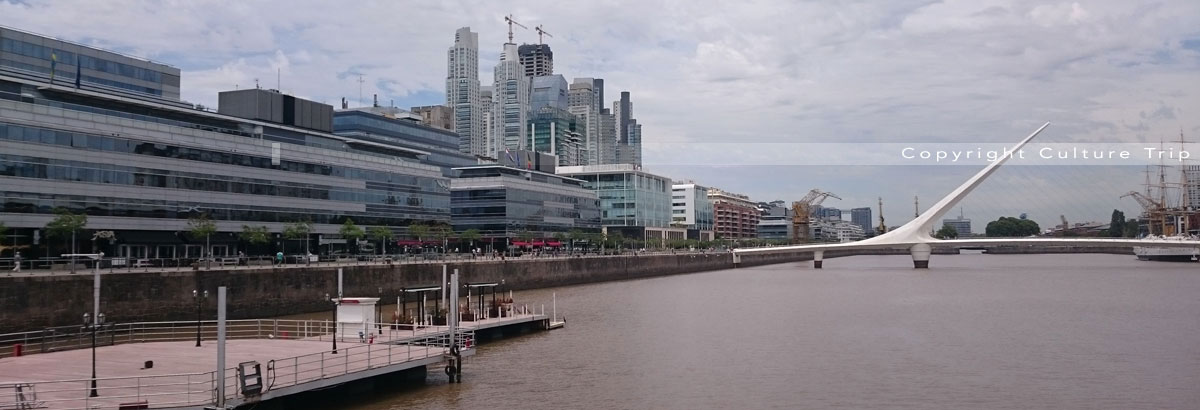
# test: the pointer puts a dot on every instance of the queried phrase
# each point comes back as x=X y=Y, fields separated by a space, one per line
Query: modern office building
x=395 y=127
x=436 y=116
x=583 y=102
x=960 y=224
x=548 y=91
x=140 y=166
x=462 y=91
x=491 y=145
x=736 y=215
x=556 y=132
x=510 y=96
x=775 y=221
x=623 y=111
x=830 y=230
x=537 y=59
x=631 y=151
x=506 y=204
x=633 y=202
x=607 y=145
x=862 y=217
x=691 y=209
x=827 y=213
x=63 y=63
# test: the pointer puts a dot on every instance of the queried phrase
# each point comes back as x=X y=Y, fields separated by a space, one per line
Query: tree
x=1131 y=228
x=1116 y=227
x=199 y=226
x=573 y=236
x=3 y=231
x=471 y=235
x=947 y=232
x=418 y=231
x=443 y=233
x=296 y=231
x=65 y=224
x=1010 y=227
x=255 y=235
x=382 y=234
x=351 y=232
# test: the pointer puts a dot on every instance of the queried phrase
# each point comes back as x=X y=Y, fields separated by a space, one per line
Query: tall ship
x=1170 y=212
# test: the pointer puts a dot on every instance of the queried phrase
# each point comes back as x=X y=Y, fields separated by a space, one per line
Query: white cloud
x=707 y=70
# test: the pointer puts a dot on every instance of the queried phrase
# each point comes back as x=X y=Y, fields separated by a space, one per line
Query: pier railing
x=168 y=390
x=76 y=337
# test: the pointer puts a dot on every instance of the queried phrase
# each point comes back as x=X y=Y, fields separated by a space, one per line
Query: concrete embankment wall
x=1011 y=250
x=35 y=302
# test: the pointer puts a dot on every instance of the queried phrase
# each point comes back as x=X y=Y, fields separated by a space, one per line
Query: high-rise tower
x=510 y=96
x=537 y=59
x=462 y=91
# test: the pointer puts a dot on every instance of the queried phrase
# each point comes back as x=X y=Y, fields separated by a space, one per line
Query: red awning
x=554 y=243
x=520 y=243
x=539 y=242
x=408 y=242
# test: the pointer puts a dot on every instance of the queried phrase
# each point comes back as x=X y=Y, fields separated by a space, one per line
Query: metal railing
x=75 y=337
x=42 y=266
x=169 y=390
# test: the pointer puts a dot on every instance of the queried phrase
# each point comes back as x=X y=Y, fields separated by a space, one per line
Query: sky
x=716 y=83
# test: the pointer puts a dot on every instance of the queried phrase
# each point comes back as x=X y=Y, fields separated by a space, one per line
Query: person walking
x=17 y=262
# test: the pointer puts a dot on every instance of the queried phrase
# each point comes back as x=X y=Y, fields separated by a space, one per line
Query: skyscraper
x=510 y=97
x=582 y=101
x=862 y=217
x=623 y=109
x=548 y=91
x=462 y=91
x=491 y=146
x=608 y=138
x=537 y=59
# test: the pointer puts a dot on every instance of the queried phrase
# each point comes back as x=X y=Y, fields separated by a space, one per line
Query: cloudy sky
x=714 y=81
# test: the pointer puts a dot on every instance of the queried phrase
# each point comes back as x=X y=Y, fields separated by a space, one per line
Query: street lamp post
x=197 y=295
x=379 y=311
x=335 y=329
x=93 y=326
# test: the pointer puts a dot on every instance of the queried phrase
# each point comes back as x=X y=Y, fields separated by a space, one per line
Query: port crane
x=802 y=212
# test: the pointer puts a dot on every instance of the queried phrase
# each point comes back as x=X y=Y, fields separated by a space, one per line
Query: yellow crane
x=802 y=212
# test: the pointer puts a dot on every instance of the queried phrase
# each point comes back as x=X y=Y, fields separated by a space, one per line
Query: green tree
x=947 y=232
x=1131 y=228
x=65 y=225
x=573 y=236
x=443 y=233
x=471 y=235
x=418 y=231
x=1010 y=227
x=255 y=235
x=382 y=234
x=1116 y=227
x=296 y=231
x=351 y=232
x=4 y=231
x=200 y=226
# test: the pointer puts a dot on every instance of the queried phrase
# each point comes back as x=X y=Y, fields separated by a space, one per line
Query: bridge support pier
x=920 y=255
x=818 y=257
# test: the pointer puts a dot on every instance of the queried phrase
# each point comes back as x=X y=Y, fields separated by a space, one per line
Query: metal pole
x=94 y=392
x=221 y=347
x=95 y=289
x=196 y=296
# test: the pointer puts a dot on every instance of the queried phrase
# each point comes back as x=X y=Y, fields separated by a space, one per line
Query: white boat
x=1169 y=254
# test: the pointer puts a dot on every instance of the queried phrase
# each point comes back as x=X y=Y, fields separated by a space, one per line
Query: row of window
x=62 y=170
x=32 y=203
x=69 y=77
x=113 y=144
x=66 y=57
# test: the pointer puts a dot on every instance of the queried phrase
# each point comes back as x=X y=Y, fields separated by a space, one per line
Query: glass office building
x=34 y=56
x=142 y=166
x=391 y=126
x=628 y=196
x=504 y=202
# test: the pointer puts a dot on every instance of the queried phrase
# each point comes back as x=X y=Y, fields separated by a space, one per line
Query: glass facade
x=441 y=145
x=213 y=167
x=99 y=67
x=504 y=202
x=628 y=198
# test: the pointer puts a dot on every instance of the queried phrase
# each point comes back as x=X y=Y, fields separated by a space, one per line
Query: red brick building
x=736 y=216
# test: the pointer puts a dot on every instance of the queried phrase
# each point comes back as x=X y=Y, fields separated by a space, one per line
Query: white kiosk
x=356 y=318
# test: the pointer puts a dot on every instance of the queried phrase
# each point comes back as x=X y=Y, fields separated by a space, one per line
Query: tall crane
x=1154 y=210
x=882 y=229
x=802 y=212
x=541 y=32
x=509 y=19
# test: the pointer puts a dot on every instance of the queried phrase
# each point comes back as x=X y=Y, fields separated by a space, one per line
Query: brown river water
x=866 y=332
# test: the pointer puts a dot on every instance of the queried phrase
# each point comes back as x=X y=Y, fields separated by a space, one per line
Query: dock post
x=221 y=347
x=454 y=370
x=553 y=307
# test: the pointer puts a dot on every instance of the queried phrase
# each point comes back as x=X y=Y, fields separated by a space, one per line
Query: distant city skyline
x=896 y=72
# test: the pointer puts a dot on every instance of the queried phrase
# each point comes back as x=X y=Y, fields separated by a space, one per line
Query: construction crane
x=1154 y=210
x=882 y=229
x=541 y=32
x=509 y=19
x=802 y=212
